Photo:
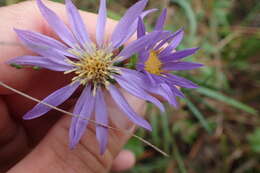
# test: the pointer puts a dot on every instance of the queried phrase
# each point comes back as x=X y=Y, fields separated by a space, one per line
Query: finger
x=55 y=155
x=123 y=161
x=12 y=139
x=20 y=16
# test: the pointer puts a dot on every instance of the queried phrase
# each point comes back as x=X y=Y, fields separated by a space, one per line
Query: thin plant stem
x=90 y=120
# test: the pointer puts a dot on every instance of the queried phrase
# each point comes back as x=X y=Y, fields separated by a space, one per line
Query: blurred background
x=217 y=127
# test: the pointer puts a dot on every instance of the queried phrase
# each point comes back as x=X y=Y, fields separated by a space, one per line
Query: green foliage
x=36 y=68
x=186 y=6
x=254 y=140
x=198 y=115
x=136 y=146
x=227 y=100
x=132 y=62
x=187 y=129
x=113 y=15
x=17 y=66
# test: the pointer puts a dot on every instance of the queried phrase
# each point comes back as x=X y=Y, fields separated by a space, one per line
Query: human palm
x=41 y=145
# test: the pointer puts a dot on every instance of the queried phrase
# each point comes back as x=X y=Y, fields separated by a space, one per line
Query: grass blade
x=198 y=115
x=230 y=101
x=166 y=134
x=178 y=157
x=190 y=15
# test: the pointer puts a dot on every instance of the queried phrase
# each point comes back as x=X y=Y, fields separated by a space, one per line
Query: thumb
x=53 y=153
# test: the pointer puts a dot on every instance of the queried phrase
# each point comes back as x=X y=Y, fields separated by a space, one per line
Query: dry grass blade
x=92 y=121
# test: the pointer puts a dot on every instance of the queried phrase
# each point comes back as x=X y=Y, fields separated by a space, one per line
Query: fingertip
x=125 y=160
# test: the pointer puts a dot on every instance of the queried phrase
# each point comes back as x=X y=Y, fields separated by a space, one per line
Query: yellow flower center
x=96 y=67
x=153 y=64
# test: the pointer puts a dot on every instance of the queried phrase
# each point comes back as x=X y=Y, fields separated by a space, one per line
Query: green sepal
x=36 y=67
x=17 y=66
x=121 y=48
x=132 y=62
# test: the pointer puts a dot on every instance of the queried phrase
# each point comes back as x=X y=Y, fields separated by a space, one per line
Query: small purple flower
x=159 y=58
x=94 y=66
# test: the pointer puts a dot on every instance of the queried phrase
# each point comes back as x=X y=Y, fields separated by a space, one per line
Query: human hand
x=41 y=145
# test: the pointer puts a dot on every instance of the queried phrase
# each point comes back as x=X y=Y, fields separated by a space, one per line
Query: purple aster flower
x=93 y=64
x=158 y=59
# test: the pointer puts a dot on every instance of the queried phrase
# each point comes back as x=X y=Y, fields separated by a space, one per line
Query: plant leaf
x=230 y=101
x=198 y=115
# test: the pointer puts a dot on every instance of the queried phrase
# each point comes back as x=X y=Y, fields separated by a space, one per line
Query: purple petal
x=181 y=66
x=141 y=28
x=146 y=12
x=161 y=20
x=133 y=88
x=179 y=54
x=73 y=132
x=84 y=108
x=133 y=27
x=177 y=92
x=122 y=29
x=171 y=98
x=142 y=58
x=164 y=91
x=139 y=66
x=158 y=38
x=41 y=39
x=57 y=25
x=178 y=36
x=163 y=42
x=179 y=81
x=125 y=107
x=42 y=45
x=177 y=40
x=101 y=117
x=136 y=46
x=40 y=62
x=145 y=81
x=76 y=111
x=77 y=25
x=101 y=23
x=171 y=38
x=54 y=99
x=150 y=78
x=133 y=74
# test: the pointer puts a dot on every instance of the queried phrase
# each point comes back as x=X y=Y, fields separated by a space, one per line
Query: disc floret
x=153 y=64
x=96 y=67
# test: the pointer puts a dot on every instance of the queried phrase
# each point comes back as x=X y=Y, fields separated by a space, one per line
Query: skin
x=41 y=145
